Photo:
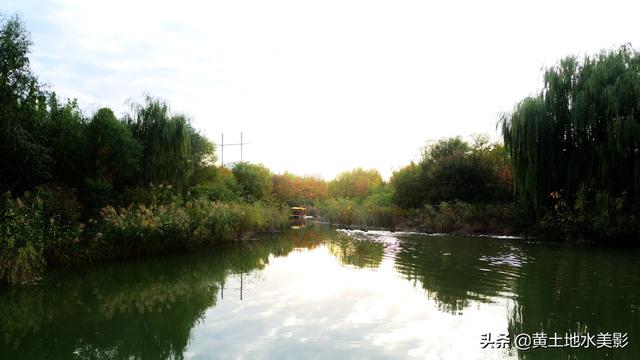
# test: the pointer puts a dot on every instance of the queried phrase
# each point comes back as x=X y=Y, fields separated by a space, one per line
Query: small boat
x=297 y=216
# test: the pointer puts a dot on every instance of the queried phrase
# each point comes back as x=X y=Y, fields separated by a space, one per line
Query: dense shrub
x=355 y=184
x=21 y=240
x=98 y=194
x=141 y=229
x=364 y=214
x=453 y=169
x=593 y=215
x=446 y=217
x=34 y=230
x=298 y=190
x=467 y=218
x=150 y=195
x=254 y=180
x=222 y=186
x=42 y=228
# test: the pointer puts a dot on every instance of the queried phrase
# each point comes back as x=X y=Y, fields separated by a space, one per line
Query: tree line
x=569 y=166
x=46 y=140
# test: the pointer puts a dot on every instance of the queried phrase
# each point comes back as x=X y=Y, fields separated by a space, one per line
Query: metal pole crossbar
x=222 y=145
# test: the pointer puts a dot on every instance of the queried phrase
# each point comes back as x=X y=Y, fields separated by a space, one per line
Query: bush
x=42 y=228
x=36 y=230
x=21 y=240
x=372 y=212
x=462 y=217
x=140 y=230
x=446 y=217
x=594 y=215
x=254 y=180
x=150 y=195
x=98 y=194
x=61 y=212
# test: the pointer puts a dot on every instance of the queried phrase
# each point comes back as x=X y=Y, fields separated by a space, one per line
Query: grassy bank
x=446 y=217
x=42 y=229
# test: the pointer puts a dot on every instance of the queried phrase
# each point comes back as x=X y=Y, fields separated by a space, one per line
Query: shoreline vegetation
x=457 y=218
x=79 y=188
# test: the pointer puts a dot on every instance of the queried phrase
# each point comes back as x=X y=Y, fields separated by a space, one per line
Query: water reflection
x=351 y=249
x=585 y=289
x=132 y=309
x=321 y=293
x=457 y=271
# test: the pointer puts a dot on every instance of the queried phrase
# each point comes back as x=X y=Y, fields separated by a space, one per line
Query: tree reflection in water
x=131 y=309
x=148 y=308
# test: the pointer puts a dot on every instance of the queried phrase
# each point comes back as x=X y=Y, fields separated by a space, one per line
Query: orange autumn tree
x=298 y=190
x=355 y=184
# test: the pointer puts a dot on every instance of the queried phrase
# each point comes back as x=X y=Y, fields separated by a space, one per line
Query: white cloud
x=349 y=82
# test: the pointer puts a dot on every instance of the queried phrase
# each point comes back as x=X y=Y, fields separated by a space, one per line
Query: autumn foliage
x=299 y=190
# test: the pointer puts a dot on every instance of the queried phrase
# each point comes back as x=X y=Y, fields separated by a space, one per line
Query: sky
x=317 y=87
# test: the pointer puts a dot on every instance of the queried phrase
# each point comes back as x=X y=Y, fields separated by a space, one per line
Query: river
x=321 y=293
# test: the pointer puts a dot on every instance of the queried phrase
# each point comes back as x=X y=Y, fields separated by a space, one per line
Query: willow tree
x=581 y=130
x=172 y=150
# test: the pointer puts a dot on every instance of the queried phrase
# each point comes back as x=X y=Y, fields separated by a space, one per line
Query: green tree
x=355 y=184
x=220 y=185
x=66 y=136
x=114 y=153
x=453 y=169
x=254 y=180
x=407 y=186
x=581 y=130
x=172 y=150
x=202 y=159
x=24 y=157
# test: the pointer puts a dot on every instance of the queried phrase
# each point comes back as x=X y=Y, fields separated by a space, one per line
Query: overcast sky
x=318 y=87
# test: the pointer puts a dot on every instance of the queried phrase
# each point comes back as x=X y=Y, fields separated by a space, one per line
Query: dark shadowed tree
x=24 y=158
x=114 y=153
x=452 y=169
x=66 y=136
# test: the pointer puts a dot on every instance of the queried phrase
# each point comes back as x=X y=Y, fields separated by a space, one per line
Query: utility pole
x=241 y=144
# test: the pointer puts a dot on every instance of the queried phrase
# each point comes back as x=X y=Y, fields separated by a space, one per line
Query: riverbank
x=454 y=218
x=37 y=232
x=582 y=222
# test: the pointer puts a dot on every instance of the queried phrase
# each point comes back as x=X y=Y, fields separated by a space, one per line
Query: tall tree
x=172 y=150
x=66 y=136
x=114 y=153
x=298 y=190
x=453 y=169
x=355 y=184
x=254 y=180
x=24 y=158
x=581 y=129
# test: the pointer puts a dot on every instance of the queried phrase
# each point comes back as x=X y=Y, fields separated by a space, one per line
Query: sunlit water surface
x=321 y=293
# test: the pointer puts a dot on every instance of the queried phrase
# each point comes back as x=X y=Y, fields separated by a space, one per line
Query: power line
x=222 y=145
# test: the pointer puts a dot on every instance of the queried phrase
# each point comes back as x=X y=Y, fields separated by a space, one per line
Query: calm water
x=318 y=293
